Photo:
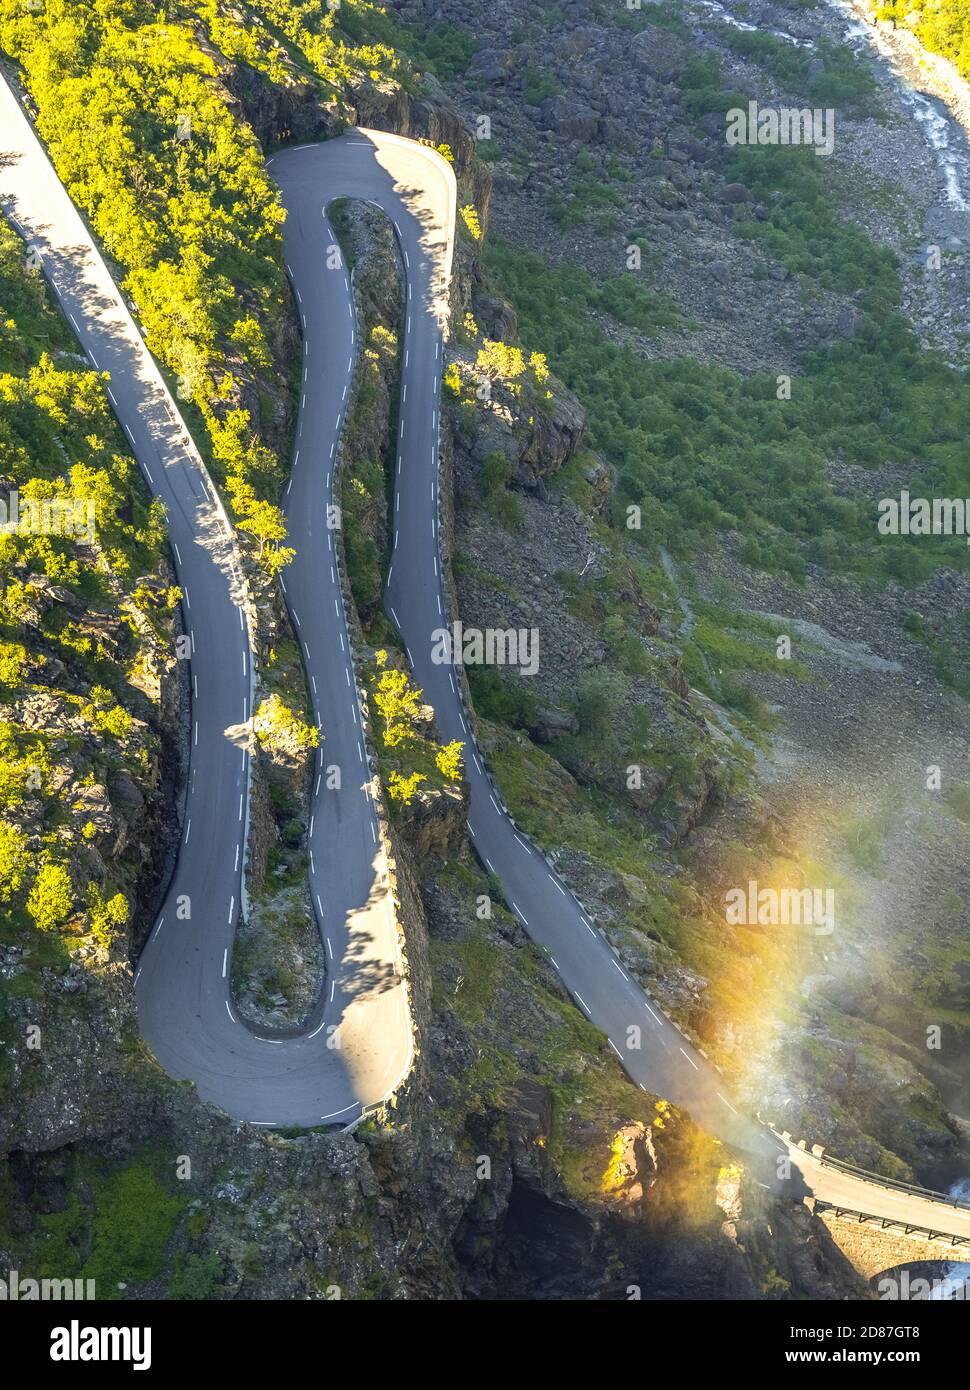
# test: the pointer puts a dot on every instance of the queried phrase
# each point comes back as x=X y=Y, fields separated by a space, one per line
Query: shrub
x=51 y=898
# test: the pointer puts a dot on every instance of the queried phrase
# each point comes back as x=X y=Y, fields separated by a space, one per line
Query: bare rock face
x=555 y=436
x=434 y=823
x=538 y=437
x=658 y=52
x=497 y=318
x=569 y=118
x=551 y=723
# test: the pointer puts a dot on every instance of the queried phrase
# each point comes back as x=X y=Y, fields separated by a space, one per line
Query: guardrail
x=841 y=1165
x=827 y=1161
x=888 y=1223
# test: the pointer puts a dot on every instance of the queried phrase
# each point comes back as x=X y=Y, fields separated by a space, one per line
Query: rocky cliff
x=519 y=1161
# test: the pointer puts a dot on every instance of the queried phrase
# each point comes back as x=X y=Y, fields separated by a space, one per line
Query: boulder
x=569 y=118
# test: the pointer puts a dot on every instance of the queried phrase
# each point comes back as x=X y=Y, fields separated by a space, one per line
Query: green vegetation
x=132 y=109
x=701 y=449
x=803 y=230
x=501 y=699
x=408 y=757
x=444 y=48
x=59 y=443
x=174 y=185
x=367 y=479
x=51 y=896
x=368 y=450
x=115 y=1227
x=538 y=85
x=196 y=1277
x=599 y=828
x=948 y=645
x=280 y=729
x=470 y=220
x=736 y=645
x=507 y=1000
x=942 y=27
x=826 y=75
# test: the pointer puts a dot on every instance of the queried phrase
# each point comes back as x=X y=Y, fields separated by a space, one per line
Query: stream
x=944 y=135
x=900 y=55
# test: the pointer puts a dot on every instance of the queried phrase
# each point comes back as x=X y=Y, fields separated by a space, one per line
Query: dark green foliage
x=701 y=448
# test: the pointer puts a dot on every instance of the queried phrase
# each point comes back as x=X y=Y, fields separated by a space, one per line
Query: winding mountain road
x=357 y=1047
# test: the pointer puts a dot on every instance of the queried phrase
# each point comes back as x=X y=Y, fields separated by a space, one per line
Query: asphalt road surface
x=357 y=1046
x=358 y=1043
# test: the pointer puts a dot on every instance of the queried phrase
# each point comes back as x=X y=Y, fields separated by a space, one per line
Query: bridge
x=186 y=1009
x=877 y=1222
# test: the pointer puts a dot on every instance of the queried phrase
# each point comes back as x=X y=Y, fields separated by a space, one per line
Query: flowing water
x=902 y=56
x=942 y=126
